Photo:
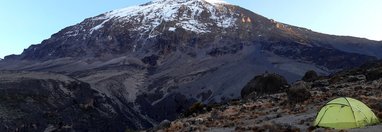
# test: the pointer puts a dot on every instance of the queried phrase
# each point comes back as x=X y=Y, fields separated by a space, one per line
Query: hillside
x=280 y=112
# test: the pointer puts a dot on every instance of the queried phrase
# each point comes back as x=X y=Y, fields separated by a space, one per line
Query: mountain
x=156 y=59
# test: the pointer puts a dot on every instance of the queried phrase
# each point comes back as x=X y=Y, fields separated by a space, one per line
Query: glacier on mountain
x=187 y=13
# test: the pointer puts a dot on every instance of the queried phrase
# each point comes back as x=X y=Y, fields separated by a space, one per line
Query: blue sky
x=26 y=22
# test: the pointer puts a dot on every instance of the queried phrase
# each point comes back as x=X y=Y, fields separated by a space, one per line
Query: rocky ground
x=288 y=110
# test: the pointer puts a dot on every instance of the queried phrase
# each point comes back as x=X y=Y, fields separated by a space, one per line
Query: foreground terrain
x=277 y=112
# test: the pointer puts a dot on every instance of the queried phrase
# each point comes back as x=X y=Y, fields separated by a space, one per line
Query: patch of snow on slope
x=172 y=29
x=69 y=34
x=98 y=26
x=192 y=25
x=186 y=14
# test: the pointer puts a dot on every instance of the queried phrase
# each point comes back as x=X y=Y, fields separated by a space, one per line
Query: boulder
x=164 y=124
x=377 y=106
x=310 y=76
x=151 y=60
x=298 y=92
x=374 y=74
x=264 y=84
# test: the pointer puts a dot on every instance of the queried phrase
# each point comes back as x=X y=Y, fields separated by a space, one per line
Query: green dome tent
x=343 y=113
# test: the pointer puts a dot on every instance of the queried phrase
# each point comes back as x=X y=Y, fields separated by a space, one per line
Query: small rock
x=199 y=120
x=164 y=124
x=377 y=106
x=215 y=114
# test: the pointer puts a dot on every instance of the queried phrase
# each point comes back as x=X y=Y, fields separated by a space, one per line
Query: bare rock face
x=34 y=101
x=264 y=84
x=298 y=92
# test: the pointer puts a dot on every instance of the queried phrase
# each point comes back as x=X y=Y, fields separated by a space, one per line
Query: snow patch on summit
x=172 y=29
x=98 y=26
x=217 y=1
x=186 y=14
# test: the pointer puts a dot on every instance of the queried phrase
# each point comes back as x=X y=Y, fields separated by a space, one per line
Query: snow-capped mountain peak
x=192 y=15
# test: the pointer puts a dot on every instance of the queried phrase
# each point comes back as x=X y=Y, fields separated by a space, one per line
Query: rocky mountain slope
x=156 y=59
x=38 y=101
x=287 y=110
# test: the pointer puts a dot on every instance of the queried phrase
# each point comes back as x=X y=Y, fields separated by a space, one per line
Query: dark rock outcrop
x=310 y=76
x=151 y=60
x=264 y=84
x=298 y=92
x=33 y=101
x=373 y=74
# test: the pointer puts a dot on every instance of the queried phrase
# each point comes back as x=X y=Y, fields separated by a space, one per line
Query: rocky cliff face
x=35 y=101
x=166 y=54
